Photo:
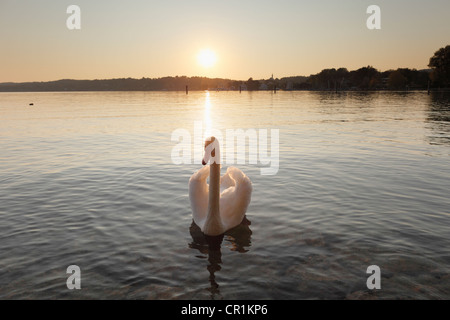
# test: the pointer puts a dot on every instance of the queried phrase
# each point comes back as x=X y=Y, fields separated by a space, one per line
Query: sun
x=206 y=58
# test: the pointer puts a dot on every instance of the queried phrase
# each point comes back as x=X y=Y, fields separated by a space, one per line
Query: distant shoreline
x=329 y=80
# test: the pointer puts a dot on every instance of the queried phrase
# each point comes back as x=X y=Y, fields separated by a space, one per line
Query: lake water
x=87 y=179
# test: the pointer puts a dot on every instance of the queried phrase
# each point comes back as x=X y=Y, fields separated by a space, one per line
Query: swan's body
x=221 y=205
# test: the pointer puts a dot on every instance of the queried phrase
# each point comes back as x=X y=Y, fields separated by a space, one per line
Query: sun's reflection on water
x=207 y=115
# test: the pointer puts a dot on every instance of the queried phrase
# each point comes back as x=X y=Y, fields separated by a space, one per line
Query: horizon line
x=205 y=77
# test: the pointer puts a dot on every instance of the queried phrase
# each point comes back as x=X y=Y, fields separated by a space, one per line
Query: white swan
x=220 y=206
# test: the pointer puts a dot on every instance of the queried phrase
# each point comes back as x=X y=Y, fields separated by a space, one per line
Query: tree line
x=365 y=78
x=369 y=78
x=123 y=84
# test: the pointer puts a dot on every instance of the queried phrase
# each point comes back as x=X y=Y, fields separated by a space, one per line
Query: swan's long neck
x=213 y=224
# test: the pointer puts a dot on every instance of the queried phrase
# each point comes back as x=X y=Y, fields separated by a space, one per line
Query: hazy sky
x=251 y=38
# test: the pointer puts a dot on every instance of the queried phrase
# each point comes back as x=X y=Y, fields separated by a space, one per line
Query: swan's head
x=211 y=151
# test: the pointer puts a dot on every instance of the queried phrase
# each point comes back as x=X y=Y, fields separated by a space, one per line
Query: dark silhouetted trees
x=440 y=63
x=396 y=80
x=366 y=78
x=252 y=84
x=125 y=84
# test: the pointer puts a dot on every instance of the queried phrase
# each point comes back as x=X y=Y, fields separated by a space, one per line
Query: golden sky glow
x=254 y=38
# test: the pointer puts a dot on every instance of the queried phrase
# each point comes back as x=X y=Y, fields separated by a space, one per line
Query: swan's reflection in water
x=238 y=239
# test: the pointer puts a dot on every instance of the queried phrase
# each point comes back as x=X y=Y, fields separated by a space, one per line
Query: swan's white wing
x=198 y=195
x=226 y=181
x=235 y=197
